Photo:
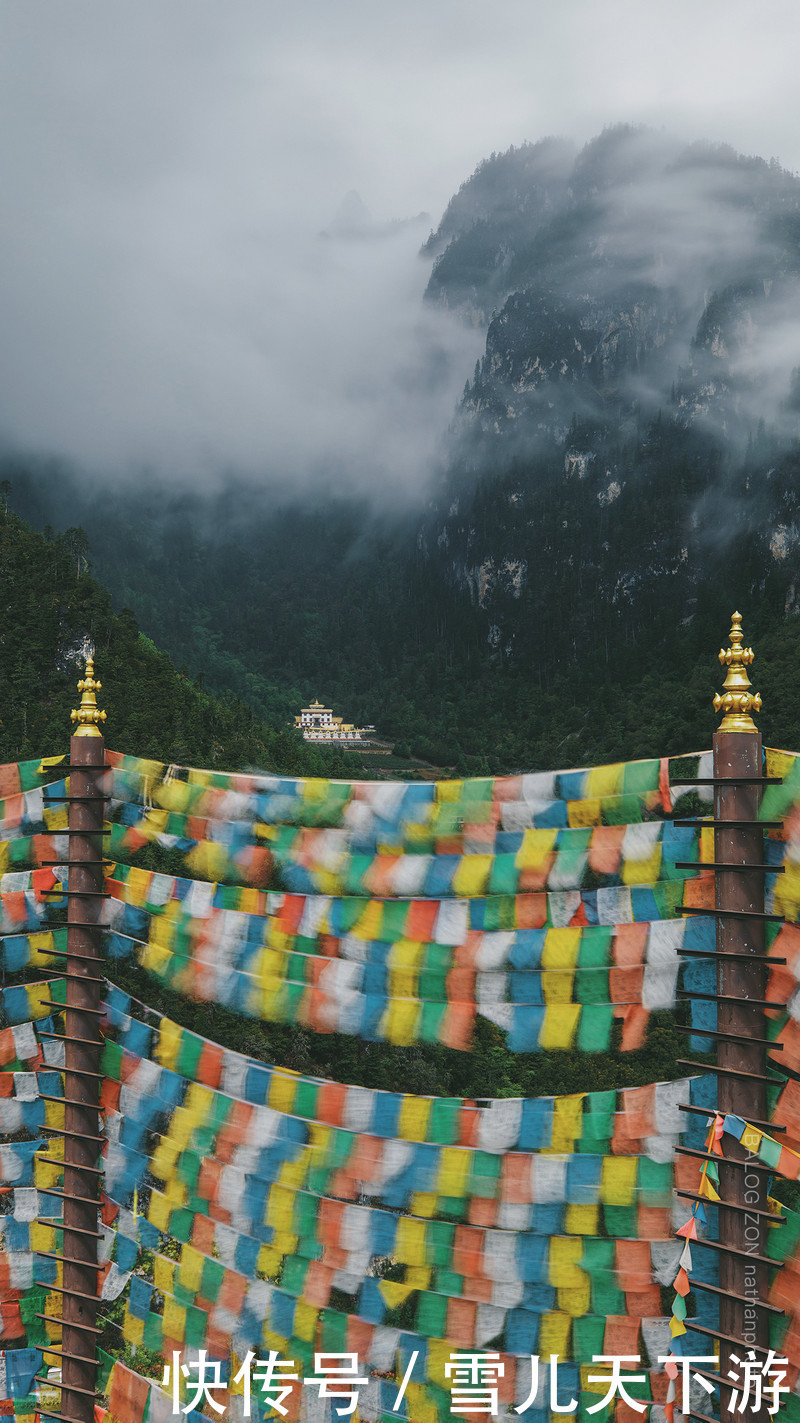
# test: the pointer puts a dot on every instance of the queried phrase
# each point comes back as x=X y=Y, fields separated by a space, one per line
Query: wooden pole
x=741 y=980
x=83 y=1046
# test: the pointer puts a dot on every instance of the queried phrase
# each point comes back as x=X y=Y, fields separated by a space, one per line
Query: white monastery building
x=318 y=723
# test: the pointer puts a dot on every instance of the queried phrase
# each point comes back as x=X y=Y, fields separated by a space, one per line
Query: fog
x=168 y=301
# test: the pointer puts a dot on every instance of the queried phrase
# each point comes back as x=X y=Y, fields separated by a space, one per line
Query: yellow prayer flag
x=439 y=1351
x=158 y=1212
x=575 y=1300
x=328 y=881
x=368 y=923
x=535 y=848
x=449 y=790
x=293 y=1173
x=410 y=1241
x=583 y=813
x=53 y=1306
x=133 y=1328
x=582 y=1220
x=280 y=1208
x=419 y=1276
x=642 y=871
x=41 y=947
x=567 y=1123
x=472 y=875
x=200 y=1102
x=190 y=1270
x=137 y=885
x=399 y=1022
x=424 y=1203
x=596 y=1372
x=554 y=1335
x=412 y=1123
x=164 y=1274
x=174 y=1319
x=566 y=1252
x=282 y=1090
x=561 y=948
x=54 y=1115
x=605 y=780
x=559 y=1026
x=454 y=1165
x=155 y=958
x=38 y=999
x=779 y=763
x=304 y=1325
x=41 y=1236
x=421 y=1407
x=168 y=1043
x=395 y=1292
x=173 y=795
x=618 y=1180
x=787 y=892
x=47 y=762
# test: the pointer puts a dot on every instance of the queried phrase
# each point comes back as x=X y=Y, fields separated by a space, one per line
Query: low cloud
x=167 y=301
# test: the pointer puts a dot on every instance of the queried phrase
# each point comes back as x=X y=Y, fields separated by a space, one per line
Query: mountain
x=622 y=471
x=353 y=222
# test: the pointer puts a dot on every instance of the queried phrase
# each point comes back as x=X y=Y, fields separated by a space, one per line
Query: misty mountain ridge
x=621 y=471
x=353 y=222
x=638 y=271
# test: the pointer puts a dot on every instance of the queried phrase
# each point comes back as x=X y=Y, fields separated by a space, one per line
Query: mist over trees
x=623 y=469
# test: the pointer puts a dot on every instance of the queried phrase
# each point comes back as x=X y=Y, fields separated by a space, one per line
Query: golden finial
x=88 y=714
x=736 y=701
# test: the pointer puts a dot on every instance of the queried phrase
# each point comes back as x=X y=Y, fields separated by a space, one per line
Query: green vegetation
x=51 y=609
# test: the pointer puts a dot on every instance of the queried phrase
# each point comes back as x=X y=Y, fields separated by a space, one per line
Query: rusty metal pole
x=741 y=980
x=82 y=1140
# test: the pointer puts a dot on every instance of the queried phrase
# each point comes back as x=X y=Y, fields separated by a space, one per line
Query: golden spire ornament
x=88 y=714
x=736 y=701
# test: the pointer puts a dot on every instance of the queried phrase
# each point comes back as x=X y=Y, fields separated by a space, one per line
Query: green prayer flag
x=782 y=1240
x=621 y=1222
x=211 y=1279
x=444 y=1120
x=305 y=1099
x=196 y=1326
x=429 y=1030
x=111 y=1060
x=504 y=876
x=431 y=1317
x=594 y=1029
x=333 y=1331
x=294 y=1275
x=622 y=810
x=153 y=1337
x=587 y=1337
x=640 y=777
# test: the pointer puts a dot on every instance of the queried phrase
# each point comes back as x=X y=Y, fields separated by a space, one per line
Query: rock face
x=636 y=408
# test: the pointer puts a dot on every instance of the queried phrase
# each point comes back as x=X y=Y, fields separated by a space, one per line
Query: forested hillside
x=623 y=471
x=52 y=610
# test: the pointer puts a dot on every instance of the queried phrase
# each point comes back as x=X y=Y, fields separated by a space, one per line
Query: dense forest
x=622 y=471
x=53 y=610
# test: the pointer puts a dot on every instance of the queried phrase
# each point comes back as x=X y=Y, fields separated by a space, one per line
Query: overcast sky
x=165 y=171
